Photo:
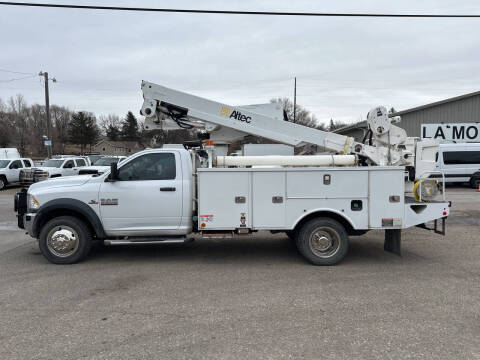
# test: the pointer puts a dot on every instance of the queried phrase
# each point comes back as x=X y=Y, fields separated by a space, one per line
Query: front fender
x=67 y=204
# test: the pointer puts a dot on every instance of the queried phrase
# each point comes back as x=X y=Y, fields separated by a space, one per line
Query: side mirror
x=113 y=172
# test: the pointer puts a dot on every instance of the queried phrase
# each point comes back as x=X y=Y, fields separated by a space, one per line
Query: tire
x=73 y=240
x=292 y=234
x=475 y=182
x=322 y=241
x=3 y=182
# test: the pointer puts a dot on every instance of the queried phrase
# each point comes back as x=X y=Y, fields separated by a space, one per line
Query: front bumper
x=28 y=220
x=25 y=221
x=24 y=218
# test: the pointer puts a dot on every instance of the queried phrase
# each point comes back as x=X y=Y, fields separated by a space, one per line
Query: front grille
x=20 y=202
x=30 y=176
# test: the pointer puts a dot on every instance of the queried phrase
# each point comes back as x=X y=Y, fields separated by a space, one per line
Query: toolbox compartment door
x=268 y=199
x=224 y=200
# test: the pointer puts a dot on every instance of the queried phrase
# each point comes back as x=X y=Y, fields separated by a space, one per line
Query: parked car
x=86 y=158
x=52 y=168
x=10 y=170
x=460 y=163
x=101 y=165
x=63 y=167
x=94 y=158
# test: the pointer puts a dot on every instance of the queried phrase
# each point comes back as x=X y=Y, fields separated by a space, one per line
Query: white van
x=9 y=153
x=460 y=163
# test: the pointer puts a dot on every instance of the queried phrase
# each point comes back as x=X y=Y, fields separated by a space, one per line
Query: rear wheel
x=65 y=240
x=322 y=241
x=475 y=182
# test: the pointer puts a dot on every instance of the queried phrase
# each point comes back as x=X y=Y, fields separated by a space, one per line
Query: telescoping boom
x=165 y=108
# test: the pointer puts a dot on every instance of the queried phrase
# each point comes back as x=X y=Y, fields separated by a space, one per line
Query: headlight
x=32 y=203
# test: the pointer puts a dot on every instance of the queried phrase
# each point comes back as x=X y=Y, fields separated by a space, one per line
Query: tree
x=302 y=115
x=334 y=125
x=110 y=126
x=60 y=117
x=19 y=121
x=83 y=130
x=130 y=128
x=5 y=133
x=113 y=133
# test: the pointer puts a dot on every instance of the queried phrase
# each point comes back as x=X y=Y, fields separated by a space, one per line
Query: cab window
x=81 y=162
x=160 y=166
x=69 y=164
x=27 y=163
x=17 y=164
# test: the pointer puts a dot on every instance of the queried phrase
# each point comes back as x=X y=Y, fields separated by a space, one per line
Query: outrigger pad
x=392 y=243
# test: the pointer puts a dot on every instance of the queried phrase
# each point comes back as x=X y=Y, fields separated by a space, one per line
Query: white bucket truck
x=169 y=194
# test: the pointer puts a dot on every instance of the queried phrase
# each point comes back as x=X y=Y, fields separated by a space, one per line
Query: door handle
x=167 y=189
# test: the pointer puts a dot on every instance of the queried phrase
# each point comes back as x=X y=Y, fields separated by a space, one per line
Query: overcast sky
x=344 y=66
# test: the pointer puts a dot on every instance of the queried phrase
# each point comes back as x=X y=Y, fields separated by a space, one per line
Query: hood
x=50 y=170
x=61 y=181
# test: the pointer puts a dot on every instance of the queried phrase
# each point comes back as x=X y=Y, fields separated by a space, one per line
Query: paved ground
x=244 y=299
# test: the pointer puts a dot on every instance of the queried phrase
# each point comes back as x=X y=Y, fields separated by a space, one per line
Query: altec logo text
x=237 y=115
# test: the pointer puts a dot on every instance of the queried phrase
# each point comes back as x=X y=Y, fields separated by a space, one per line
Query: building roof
x=357 y=125
x=436 y=103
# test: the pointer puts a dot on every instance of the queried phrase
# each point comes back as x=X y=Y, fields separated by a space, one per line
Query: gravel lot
x=250 y=298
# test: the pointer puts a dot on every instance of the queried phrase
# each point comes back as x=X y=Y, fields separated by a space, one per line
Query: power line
x=236 y=12
x=15 y=79
x=16 y=72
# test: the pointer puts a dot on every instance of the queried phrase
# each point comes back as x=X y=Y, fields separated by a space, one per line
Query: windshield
x=53 y=163
x=4 y=163
x=106 y=161
x=94 y=158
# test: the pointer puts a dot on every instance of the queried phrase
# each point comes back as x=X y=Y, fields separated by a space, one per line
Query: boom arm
x=166 y=108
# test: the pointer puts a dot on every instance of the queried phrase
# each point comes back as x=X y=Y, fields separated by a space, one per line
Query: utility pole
x=295 y=101
x=47 y=112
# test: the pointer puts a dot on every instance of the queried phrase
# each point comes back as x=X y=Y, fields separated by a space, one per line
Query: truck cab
x=150 y=196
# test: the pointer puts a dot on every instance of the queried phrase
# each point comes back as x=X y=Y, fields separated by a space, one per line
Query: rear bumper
x=417 y=213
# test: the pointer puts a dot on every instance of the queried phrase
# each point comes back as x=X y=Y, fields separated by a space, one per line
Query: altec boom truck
x=168 y=194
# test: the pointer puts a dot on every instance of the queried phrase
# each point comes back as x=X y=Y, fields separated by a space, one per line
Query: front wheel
x=65 y=240
x=3 y=183
x=322 y=241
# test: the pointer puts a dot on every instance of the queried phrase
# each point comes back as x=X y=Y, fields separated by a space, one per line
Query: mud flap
x=393 y=239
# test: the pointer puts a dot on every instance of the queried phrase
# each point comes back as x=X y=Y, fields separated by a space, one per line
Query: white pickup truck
x=156 y=195
x=10 y=170
x=52 y=168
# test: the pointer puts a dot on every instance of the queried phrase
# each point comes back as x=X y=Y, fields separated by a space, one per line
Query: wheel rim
x=62 y=241
x=324 y=242
x=2 y=184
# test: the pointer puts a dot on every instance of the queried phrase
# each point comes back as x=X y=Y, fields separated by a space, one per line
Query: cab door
x=13 y=173
x=148 y=197
x=80 y=163
x=69 y=168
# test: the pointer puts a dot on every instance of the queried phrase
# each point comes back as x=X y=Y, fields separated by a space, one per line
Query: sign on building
x=458 y=132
